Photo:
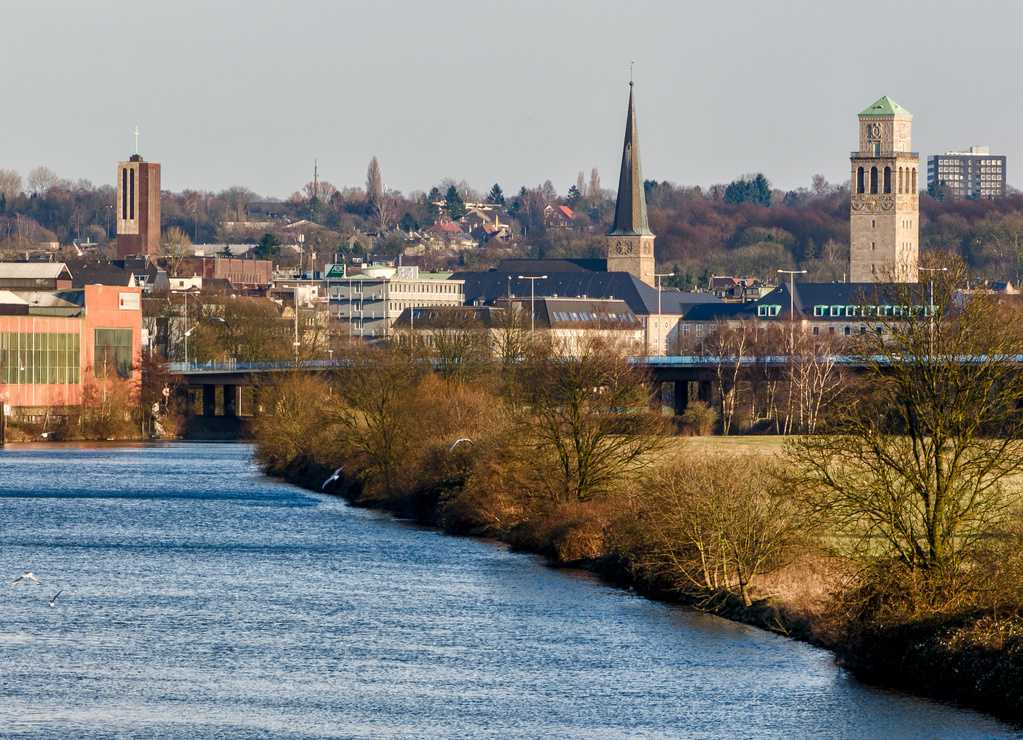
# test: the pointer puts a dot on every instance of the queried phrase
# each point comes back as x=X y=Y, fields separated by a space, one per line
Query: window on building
x=29 y=358
x=113 y=356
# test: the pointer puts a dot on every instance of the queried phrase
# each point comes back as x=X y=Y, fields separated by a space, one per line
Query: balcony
x=883 y=154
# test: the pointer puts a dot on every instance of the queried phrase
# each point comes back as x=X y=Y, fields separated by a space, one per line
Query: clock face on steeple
x=623 y=246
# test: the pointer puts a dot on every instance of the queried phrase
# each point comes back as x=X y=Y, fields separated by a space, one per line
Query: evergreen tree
x=455 y=204
x=269 y=247
x=496 y=195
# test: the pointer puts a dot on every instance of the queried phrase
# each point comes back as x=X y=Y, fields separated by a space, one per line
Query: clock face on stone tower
x=623 y=246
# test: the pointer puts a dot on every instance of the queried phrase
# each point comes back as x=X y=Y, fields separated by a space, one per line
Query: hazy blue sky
x=228 y=92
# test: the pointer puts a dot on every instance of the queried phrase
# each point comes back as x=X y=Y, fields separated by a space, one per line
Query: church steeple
x=630 y=243
x=630 y=210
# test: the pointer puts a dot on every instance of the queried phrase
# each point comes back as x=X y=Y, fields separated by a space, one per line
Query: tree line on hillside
x=742 y=229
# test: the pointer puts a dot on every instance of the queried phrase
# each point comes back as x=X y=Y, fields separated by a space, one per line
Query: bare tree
x=589 y=423
x=10 y=184
x=914 y=466
x=42 y=179
x=237 y=197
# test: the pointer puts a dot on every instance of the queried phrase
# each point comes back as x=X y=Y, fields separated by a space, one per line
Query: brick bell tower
x=630 y=244
x=138 y=206
x=884 y=222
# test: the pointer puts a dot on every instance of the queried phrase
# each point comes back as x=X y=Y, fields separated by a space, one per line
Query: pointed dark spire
x=630 y=210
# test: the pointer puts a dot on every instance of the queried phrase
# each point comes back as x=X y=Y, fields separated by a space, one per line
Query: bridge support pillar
x=209 y=400
x=230 y=400
x=681 y=396
x=706 y=392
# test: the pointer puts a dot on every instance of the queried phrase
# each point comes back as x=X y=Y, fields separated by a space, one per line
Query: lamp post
x=792 y=303
x=532 y=299
x=930 y=307
x=660 y=333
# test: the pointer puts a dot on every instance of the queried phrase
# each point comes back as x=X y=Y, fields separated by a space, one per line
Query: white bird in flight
x=459 y=441
x=53 y=601
x=31 y=576
x=331 y=479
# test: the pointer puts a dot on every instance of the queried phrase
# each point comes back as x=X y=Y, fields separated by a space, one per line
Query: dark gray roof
x=109 y=272
x=542 y=267
x=486 y=287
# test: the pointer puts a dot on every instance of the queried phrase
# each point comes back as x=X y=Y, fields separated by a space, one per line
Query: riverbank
x=975 y=659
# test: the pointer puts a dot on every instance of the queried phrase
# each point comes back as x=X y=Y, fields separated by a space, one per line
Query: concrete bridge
x=690 y=374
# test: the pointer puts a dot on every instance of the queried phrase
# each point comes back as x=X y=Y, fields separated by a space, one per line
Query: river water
x=200 y=599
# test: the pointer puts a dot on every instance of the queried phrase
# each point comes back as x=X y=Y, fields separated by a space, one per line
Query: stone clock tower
x=884 y=225
x=630 y=245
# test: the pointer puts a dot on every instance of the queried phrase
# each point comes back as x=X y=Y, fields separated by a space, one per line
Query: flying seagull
x=31 y=576
x=459 y=441
x=53 y=601
x=331 y=479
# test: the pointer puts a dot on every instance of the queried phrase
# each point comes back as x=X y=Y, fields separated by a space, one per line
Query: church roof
x=630 y=209
x=886 y=107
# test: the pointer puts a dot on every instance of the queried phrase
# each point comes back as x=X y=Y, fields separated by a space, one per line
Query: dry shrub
x=290 y=427
x=716 y=524
x=699 y=419
x=571 y=533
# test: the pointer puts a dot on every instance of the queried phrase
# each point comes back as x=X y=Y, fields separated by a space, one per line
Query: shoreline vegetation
x=890 y=534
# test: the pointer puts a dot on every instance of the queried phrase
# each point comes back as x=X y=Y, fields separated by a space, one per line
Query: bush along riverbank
x=562 y=456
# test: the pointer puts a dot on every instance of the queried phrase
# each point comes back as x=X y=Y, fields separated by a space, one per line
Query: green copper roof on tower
x=886 y=107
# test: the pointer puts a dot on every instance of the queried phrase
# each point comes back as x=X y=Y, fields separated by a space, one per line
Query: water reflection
x=204 y=600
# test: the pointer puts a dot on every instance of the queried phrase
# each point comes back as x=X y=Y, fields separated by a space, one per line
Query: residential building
x=975 y=173
x=371 y=301
x=558 y=217
x=820 y=309
x=884 y=219
x=571 y=321
x=630 y=243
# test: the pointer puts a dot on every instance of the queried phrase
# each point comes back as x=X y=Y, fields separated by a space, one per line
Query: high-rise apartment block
x=973 y=174
x=884 y=222
x=138 y=207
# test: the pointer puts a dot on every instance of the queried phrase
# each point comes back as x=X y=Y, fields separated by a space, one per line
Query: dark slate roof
x=486 y=287
x=543 y=267
x=630 y=208
x=808 y=295
x=101 y=272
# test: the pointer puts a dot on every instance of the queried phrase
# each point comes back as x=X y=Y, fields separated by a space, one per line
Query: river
x=200 y=599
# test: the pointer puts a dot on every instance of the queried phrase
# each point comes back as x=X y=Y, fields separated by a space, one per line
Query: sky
x=252 y=93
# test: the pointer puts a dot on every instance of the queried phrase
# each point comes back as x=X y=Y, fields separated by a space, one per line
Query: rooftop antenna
x=630 y=73
x=316 y=179
x=136 y=141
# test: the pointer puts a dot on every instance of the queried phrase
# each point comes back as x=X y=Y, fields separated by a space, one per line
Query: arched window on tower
x=888 y=180
x=873 y=180
x=859 y=179
x=914 y=190
x=900 y=180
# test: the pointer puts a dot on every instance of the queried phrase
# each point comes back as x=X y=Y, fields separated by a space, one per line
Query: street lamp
x=792 y=303
x=532 y=299
x=660 y=334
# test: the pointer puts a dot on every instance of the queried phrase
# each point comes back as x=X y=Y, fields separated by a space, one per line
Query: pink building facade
x=47 y=360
